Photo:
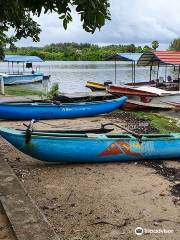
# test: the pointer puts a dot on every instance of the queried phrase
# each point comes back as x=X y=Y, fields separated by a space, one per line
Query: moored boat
x=56 y=147
x=136 y=105
x=150 y=97
x=56 y=110
x=95 y=86
x=17 y=79
x=118 y=89
x=16 y=74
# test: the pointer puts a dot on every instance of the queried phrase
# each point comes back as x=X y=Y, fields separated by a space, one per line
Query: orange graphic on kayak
x=119 y=147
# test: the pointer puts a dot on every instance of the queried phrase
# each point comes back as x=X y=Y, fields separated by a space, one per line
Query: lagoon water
x=72 y=76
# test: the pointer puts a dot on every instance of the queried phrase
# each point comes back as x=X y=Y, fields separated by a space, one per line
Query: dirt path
x=6 y=232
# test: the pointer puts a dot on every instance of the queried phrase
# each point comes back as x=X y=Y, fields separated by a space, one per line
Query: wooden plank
x=26 y=219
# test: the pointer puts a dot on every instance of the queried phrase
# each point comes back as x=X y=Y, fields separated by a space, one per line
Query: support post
x=8 y=68
x=158 y=71
x=132 y=66
x=115 y=71
x=150 y=73
x=18 y=66
x=2 y=86
x=178 y=77
x=165 y=77
x=134 y=72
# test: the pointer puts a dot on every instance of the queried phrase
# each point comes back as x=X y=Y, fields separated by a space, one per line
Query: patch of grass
x=20 y=91
x=162 y=123
x=53 y=91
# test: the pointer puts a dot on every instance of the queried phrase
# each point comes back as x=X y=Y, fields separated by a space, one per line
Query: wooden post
x=2 y=86
x=115 y=71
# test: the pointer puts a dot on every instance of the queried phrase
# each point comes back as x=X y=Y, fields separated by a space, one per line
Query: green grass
x=162 y=123
x=20 y=91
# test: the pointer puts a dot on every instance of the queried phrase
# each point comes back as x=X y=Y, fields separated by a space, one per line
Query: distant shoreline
x=76 y=52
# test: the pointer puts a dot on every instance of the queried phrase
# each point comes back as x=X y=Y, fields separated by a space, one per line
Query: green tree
x=146 y=48
x=175 y=45
x=18 y=15
x=131 y=48
x=155 y=44
x=139 y=49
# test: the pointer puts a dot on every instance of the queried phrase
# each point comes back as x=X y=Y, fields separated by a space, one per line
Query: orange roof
x=159 y=57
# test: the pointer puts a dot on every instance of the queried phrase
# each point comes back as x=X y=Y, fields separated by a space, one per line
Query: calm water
x=72 y=76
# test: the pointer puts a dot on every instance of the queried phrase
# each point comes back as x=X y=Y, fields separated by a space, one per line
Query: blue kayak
x=76 y=148
x=28 y=111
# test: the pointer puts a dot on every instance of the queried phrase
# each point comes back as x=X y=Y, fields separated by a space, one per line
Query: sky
x=133 y=21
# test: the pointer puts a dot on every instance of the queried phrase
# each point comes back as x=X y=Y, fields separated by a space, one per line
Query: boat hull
x=126 y=90
x=95 y=86
x=28 y=111
x=17 y=79
x=135 y=105
x=79 y=148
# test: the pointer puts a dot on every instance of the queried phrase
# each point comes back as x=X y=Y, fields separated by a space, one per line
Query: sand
x=99 y=201
x=6 y=233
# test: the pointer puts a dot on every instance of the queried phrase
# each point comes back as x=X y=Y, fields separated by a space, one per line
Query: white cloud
x=133 y=21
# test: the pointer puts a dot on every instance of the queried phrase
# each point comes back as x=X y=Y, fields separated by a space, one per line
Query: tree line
x=77 y=52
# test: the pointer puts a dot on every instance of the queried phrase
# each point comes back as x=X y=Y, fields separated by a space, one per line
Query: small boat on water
x=16 y=73
x=57 y=110
x=82 y=148
x=21 y=78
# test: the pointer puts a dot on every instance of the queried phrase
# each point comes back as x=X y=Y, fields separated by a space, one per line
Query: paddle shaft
x=125 y=129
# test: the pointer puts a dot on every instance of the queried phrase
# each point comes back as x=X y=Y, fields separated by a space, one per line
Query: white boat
x=14 y=77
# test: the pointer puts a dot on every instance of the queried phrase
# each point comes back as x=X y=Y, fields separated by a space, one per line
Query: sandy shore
x=100 y=201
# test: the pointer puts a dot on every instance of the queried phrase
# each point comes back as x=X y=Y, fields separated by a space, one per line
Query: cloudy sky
x=133 y=21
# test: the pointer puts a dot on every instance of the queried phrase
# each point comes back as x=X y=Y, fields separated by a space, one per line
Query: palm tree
x=155 y=45
x=175 y=45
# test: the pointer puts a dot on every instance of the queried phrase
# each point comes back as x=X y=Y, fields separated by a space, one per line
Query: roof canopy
x=20 y=58
x=159 y=58
x=134 y=57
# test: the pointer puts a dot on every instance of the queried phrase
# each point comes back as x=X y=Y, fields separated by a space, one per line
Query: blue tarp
x=20 y=58
x=125 y=57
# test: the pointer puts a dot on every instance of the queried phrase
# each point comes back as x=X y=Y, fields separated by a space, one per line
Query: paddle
x=138 y=136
